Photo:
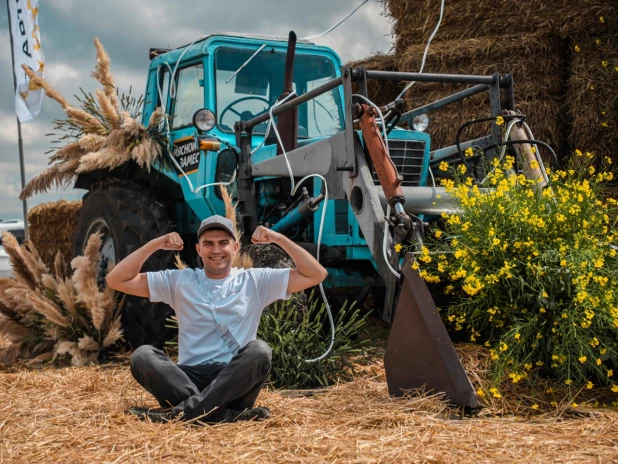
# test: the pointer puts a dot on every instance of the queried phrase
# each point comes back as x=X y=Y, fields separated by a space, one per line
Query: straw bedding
x=77 y=415
x=52 y=226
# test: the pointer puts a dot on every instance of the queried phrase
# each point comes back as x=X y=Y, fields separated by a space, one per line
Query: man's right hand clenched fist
x=171 y=241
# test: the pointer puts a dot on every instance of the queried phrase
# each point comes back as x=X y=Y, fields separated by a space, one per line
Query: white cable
x=384 y=135
x=388 y=207
x=433 y=179
x=322 y=220
x=274 y=126
x=336 y=25
x=426 y=50
x=507 y=132
x=385 y=235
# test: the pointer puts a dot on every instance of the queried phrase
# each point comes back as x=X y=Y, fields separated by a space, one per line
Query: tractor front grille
x=407 y=155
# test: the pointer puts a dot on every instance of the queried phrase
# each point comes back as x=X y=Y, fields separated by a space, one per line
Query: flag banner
x=26 y=50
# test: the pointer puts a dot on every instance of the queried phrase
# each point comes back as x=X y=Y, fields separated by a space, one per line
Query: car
x=5 y=264
x=14 y=226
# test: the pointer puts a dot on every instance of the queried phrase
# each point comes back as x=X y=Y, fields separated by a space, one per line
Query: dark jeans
x=207 y=391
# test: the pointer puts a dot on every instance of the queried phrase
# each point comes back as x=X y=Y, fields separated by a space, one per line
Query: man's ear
x=236 y=247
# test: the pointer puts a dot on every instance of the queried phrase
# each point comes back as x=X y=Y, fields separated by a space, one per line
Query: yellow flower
x=495 y=393
x=604 y=63
x=535 y=406
x=499 y=121
x=414 y=265
x=592 y=87
x=604 y=124
x=461 y=168
x=574 y=404
x=598 y=41
x=577 y=49
x=583 y=359
x=496 y=241
x=615 y=388
x=469 y=151
x=599 y=362
x=589 y=385
x=610 y=373
x=443 y=166
x=398 y=247
x=480 y=392
x=438 y=233
x=601 y=19
x=568 y=382
x=517 y=336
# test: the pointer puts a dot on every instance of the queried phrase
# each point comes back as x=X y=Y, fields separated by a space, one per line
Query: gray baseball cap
x=216 y=222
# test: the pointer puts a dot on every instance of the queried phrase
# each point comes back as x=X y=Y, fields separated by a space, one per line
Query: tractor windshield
x=256 y=87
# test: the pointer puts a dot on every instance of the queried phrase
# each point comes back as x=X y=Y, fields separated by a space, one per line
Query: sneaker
x=154 y=415
x=247 y=414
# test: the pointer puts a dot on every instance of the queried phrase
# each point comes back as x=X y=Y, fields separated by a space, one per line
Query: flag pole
x=20 y=142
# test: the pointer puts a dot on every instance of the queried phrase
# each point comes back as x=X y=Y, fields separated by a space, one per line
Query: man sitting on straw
x=221 y=366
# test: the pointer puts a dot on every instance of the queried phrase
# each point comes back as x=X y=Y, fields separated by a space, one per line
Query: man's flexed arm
x=308 y=271
x=126 y=276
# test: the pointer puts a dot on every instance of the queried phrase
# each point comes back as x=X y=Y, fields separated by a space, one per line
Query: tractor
x=277 y=122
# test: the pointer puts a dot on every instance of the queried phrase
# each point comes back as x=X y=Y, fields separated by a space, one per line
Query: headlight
x=420 y=122
x=204 y=120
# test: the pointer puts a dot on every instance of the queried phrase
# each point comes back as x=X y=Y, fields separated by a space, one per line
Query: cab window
x=189 y=95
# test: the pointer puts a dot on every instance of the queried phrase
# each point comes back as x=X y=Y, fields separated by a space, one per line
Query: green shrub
x=294 y=338
x=533 y=272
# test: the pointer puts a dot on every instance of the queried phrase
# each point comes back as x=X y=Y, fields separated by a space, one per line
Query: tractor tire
x=274 y=257
x=128 y=217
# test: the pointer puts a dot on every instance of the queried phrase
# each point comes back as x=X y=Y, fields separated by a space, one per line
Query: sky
x=128 y=29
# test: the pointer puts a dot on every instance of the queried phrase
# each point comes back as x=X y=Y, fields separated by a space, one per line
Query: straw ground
x=78 y=415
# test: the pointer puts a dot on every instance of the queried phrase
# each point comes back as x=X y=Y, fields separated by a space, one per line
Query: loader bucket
x=419 y=353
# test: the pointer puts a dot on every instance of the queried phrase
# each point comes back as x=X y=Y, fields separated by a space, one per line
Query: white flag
x=26 y=50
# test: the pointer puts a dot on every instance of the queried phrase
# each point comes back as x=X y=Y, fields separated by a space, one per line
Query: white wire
x=336 y=25
x=426 y=50
x=274 y=126
x=322 y=220
x=388 y=207
x=385 y=235
x=385 y=140
x=507 y=132
x=433 y=179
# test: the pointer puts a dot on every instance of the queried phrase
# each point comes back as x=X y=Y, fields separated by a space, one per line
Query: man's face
x=217 y=248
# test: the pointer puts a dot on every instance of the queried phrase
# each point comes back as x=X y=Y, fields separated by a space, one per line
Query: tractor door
x=186 y=96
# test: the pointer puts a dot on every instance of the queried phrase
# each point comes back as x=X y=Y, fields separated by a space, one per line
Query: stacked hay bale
x=534 y=61
x=533 y=41
x=51 y=227
x=592 y=94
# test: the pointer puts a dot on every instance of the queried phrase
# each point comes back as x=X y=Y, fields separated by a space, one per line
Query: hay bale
x=381 y=92
x=413 y=22
x=536 y=61
x=51 y=227
x=592 y=99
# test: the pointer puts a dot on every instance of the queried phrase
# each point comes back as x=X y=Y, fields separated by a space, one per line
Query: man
x=221 y=366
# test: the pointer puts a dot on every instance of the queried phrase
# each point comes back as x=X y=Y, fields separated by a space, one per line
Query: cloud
x=128 y=28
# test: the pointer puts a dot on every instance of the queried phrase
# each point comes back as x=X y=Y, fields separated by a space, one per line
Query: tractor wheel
x=127 y=217
x=273 y=256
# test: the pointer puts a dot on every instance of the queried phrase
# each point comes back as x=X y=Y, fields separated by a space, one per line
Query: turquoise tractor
x=278 y=123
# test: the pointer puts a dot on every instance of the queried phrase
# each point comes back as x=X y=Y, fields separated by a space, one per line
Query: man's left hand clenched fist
x=263 y=236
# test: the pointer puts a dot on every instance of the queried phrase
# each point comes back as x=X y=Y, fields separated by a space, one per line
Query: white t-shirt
x=238 y=301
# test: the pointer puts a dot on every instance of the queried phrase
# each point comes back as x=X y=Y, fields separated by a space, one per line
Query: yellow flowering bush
x=533 y=272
